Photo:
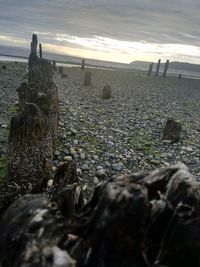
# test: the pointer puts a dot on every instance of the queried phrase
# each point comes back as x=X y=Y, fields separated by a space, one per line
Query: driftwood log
x=150 y=219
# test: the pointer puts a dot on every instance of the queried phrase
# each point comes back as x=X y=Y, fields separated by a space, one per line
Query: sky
x=113 y=30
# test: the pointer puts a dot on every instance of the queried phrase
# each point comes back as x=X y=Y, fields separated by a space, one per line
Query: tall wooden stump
x=150 y=69
x=87 y=78
x=54 y=65
x=158 y=67
x=60 y=70
x=33 y=131
x=172 y=130
x=30 y=149
x=107 y=92
x=83 y=64
x=166 y=68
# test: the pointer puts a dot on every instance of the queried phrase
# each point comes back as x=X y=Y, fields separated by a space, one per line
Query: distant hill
x=24 y=53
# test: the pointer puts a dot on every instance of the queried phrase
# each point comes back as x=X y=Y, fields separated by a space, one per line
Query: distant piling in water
x=166 y=68
x=40 y=50
x=158 y=67
x=150 y=69
x=83 y=64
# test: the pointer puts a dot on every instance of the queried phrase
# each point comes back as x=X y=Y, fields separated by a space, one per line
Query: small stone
x=189 y=149
x=75 y=142
x=99 y=167
x=54 y=168
x=107 y=163
x=82 y=156
x=5 y=126
x=95 y=180
x=61 y=124
x=117 y=167
x=85 y=201
x=84 y=187
x=101 y=173
x=73 y=131
x=154 y=162
x=85 y=167
x=79 y=171
x=56 y=153
x=96 y=157
x=66 y=151
x=72 y=152
x=50 y=183
x=67 y=158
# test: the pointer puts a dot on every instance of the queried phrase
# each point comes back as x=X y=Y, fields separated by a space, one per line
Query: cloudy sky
x=115 y=30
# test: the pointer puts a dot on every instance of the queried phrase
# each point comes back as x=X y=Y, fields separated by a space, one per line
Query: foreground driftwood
x=138 y=220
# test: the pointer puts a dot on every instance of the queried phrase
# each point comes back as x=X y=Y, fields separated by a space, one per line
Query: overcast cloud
x=98 y=24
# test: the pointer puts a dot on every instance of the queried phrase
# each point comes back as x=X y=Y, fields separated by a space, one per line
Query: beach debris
x=172 y=130
x=150 y=69
x=87 y=78
x=166 y=68
x=83 y=64
x=158 y=67
x=107 y=92
x=143 y=219
x=4 y=67
x=180 y=76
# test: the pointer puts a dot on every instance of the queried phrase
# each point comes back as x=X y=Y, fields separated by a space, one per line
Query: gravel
x=122 y=134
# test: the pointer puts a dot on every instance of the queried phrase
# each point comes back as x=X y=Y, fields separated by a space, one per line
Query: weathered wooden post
x=107 y=92
x=87 y=78
x=83 y=64
x=60 y=70
x=54 y=65
x=33 y=61
x=158 y=67
x=166 y=68
x=40 y=49
x=150 y=69
x=172 y=130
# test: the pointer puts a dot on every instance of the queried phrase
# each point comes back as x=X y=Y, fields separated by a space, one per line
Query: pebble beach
x=120 y=135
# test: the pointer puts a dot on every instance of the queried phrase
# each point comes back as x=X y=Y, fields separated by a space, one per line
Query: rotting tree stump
x=141 y=220
x=172 y=130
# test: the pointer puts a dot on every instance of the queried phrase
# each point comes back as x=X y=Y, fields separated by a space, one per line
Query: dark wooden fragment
x=158 y=67
x=150 y=69
x=172 y=130
x=107 y=92
x=83 y=64
x=87 y=78
x=166 y=68
x=60 y=70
